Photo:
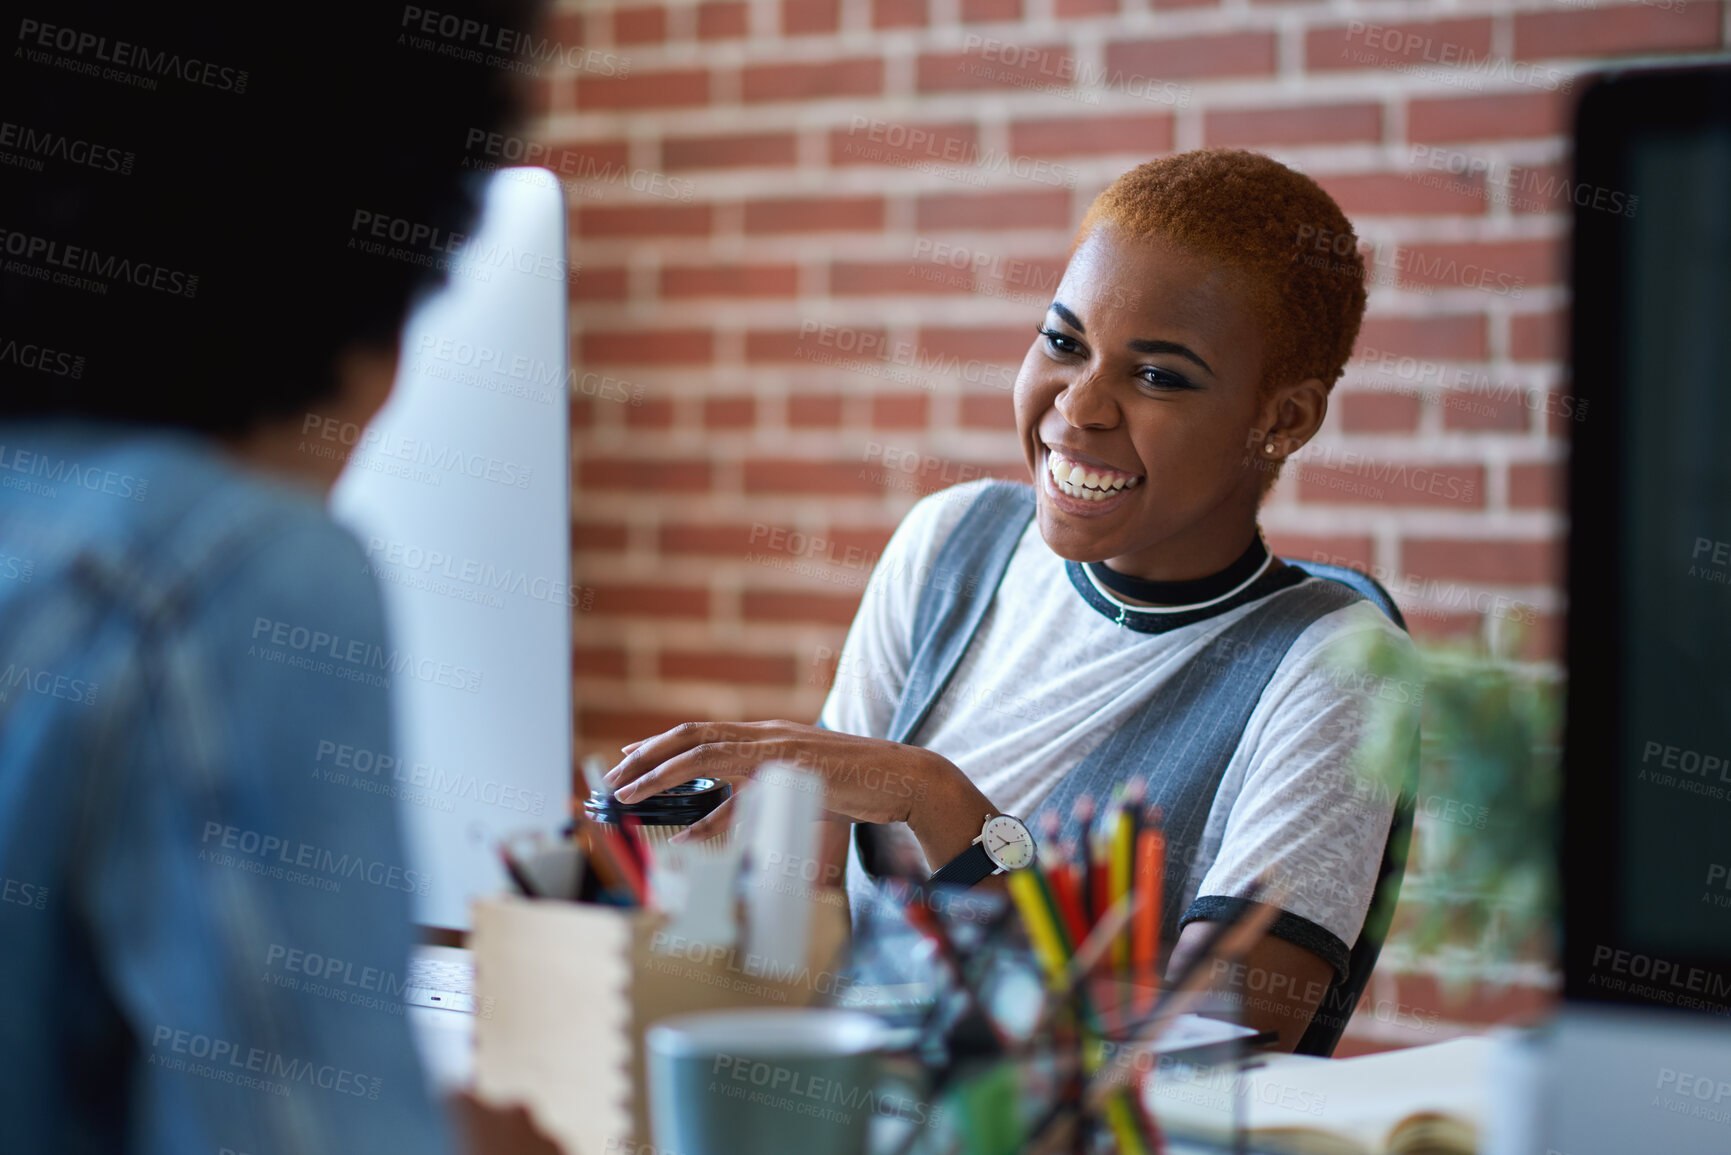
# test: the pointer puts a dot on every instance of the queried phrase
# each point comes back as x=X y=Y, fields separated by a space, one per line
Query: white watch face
x=1008 y=843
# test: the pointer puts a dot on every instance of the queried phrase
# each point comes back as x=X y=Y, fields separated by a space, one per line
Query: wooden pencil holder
x=568 y=990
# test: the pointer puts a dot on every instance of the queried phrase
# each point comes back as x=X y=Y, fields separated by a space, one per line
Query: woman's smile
x=1084 y=486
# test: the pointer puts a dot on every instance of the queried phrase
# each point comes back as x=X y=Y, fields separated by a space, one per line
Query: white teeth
x=1088 y=485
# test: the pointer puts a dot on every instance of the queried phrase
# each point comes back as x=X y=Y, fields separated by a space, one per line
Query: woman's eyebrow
x=1069 y=318
x=1144 y=345
x=1138 y=345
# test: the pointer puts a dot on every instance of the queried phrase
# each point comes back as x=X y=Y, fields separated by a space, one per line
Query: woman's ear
x=1292 y=414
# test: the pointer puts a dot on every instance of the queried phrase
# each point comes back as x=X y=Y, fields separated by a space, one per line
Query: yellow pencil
x=1043 y=930
x=1122 y=865
x=1123 y=1122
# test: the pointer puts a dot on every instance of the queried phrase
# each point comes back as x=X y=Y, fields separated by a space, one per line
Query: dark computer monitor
x=1647 y=755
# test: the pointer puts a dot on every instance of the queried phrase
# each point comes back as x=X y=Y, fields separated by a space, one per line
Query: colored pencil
x=1043 y=930
x=1101 y=872
x=613 y=862
x=1122 y=850
x=628 y=865
x=1145 y=930
x=1082 y=814
x=1068 y=892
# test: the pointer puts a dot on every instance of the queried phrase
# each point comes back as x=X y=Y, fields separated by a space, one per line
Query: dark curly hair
x=183 y=185
x=1296 y=249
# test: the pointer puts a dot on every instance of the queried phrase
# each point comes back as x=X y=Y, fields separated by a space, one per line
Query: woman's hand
x=865 y=779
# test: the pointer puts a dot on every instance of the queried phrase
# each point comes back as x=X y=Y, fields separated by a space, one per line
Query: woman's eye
x=1165 y=380
x=1059 y=343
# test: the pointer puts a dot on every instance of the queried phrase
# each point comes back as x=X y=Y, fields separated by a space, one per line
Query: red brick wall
x=815 y=235
x=814 y=238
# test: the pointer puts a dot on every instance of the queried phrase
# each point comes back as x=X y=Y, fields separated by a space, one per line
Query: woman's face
x=1136 y=407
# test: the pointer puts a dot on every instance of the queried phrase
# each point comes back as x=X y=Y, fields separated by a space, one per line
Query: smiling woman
x=1121 y=621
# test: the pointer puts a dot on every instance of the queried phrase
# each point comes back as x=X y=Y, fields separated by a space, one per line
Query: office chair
x=1338 y=1003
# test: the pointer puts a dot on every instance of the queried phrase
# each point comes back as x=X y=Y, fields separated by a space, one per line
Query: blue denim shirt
x=203 y=927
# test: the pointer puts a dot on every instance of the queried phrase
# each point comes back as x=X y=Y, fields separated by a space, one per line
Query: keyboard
x=441 y=977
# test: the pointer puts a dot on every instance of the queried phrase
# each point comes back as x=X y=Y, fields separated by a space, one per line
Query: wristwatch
x=1003 y=844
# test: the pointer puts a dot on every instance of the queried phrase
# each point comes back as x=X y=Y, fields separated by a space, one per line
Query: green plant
x=1481 y=878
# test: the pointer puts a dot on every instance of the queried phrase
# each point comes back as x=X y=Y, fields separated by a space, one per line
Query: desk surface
x=446 y=1041
x=1363 y=1095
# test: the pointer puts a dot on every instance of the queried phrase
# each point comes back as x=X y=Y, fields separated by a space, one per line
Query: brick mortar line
x=1369 y=85
x=1131 y=24
x=1041 y=19
x=1419 y=522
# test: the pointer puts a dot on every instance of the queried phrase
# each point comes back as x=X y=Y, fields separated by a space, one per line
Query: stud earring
x=1268 y=447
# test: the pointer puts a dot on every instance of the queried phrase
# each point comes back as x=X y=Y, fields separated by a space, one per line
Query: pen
x=518 y=878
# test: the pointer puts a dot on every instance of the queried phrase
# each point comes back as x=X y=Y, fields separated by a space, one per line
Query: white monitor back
x=460 y=493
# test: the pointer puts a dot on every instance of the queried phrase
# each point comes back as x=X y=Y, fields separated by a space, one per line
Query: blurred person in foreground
x=202 y=940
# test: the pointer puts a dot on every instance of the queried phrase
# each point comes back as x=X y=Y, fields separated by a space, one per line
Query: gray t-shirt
x=1047 y=677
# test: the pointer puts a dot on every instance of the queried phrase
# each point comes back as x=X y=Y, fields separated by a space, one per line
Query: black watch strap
x=965 y=869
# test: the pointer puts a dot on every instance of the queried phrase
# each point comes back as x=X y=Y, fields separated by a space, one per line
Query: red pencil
x=1068 y=894
x=635 y=842
x=628 y=864
x=608 y=848
x=1145 y=930
x=1100 y=879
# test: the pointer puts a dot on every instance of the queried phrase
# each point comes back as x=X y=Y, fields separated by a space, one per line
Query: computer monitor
x=1639 y=1058
x=459 y=491
x=1647 y=758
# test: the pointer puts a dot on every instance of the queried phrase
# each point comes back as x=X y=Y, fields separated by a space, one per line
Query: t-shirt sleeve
x=1313 y=809
x=873 y=665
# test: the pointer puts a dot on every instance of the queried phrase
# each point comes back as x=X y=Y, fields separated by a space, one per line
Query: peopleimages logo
x=274 y=853
x=47 y=683
x=20 y=893
x=351 y=658
x=575 y=166
x=226 y=1060
x=434 y=247
x=324 y=968
x=35 y=145
x=465 y=38
x=361 y=768
x=1659 y=979
x=72 y=260
x=146 y=64
x=392 y=452
x=55 y=362
x=44 y=473
x=484 y=577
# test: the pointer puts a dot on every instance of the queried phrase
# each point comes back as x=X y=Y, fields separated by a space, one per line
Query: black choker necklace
x=1185 y=593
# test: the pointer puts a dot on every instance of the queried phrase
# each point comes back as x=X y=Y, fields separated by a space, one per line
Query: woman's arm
x=1276 y=987
x=1310 y=820
x=865 y=779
